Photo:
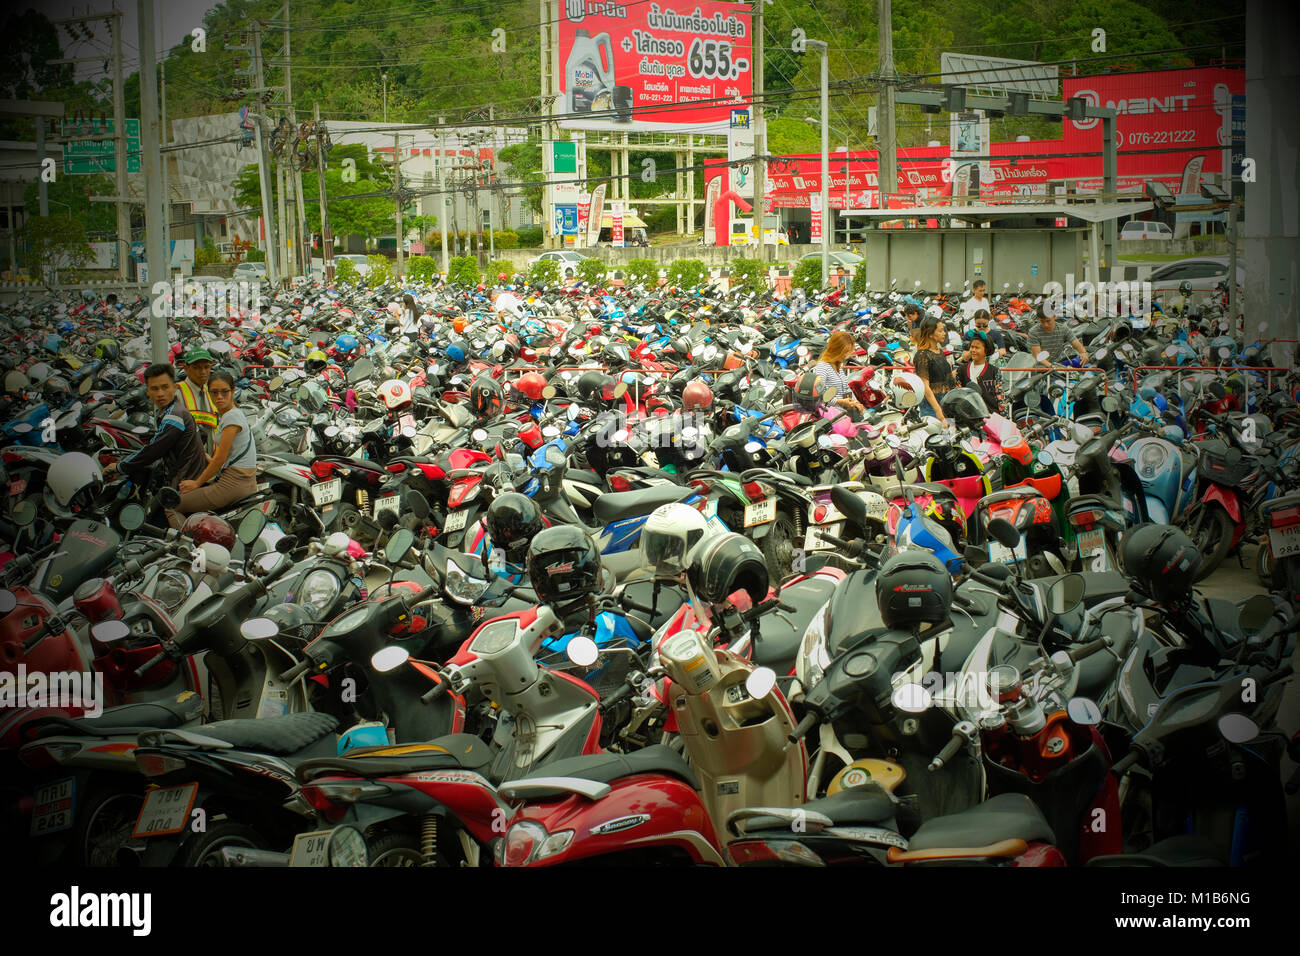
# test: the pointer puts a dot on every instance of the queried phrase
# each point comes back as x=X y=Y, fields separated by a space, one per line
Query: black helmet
x=590 y=383
x=966 y=406
x=913 y=588
x=563 y=564
x=726 y=564
x=512 y=521
x=616 y=355
x=807 y=394
x=1162 y=561
x=486 y=397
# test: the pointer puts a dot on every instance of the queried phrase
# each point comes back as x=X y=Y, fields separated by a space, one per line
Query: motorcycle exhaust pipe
x=248 y=856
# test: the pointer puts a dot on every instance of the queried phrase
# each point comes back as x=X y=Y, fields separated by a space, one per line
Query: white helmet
x=907 y=389
x=395 y=393
x=16 y=381
x=39 y=372
x=669 y=536
x=69 y=476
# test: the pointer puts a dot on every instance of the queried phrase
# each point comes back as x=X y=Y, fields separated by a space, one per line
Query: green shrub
x=381 y=270
x=545 y=272
x=592 y=271
x=464 y=270
x=506 y=239
x=345 y=270
x=687 y=273
x=808 y=275
x=422 y=269
x=859 y=286
x=499 y=267
x=530 y=237
x=644 y=271
x=207 y=255
x=255 y=255
x=748 y=275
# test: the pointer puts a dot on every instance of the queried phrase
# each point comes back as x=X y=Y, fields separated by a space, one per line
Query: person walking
x=931 y=366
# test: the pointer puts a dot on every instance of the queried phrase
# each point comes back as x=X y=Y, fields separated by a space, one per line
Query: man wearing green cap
x=194 y=393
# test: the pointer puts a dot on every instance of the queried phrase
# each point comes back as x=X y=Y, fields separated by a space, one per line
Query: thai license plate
x=165 y=811
x=1001 y=554
x=1091 y=542
x=392 y=504
x=54 y=806
x=311 y=849
x=456 y=520
x=761 y=512
x=815 y=542
x=327 y=492
x=17 y=486
x=1284 y=542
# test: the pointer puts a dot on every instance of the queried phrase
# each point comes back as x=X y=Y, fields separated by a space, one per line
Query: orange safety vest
x=203 y=419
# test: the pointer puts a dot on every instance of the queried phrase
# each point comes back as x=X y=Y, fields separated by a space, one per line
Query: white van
x=1137 y=229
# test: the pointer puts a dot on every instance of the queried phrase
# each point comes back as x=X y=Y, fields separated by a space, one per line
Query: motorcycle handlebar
x=436 y=691
x=1087 y=650
x=947 y=753
x=293 y=673
x=150 y=664
x=806 y=726
x=1133 y=757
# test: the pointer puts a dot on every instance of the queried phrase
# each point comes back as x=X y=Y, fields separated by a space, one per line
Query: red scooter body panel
x=58 y=652
x=1228 y=499
x=672 y=811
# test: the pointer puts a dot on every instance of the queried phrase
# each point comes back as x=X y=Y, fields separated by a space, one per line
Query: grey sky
x=176 y=18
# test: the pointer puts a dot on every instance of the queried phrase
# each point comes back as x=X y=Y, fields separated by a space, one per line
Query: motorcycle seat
x=1008 y=816
x=448 y=752
x=933 y=488
x=780 y=633
x=608 y=767
x=793 y=477
x=627 y=504
x=172 y=712
x=279 y=736
x=584 y=476
x=1014 y=493
x=856 y=806
x=287 y=458
x=1183 y=850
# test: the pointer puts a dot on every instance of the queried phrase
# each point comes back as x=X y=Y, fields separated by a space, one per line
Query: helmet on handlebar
x=966 y=406
x=209 y=529
x=913 y=588
x=668 y=536
x=906 y=389
x=727 y=564
x=346 y=343
x=486 y=397
x=72 y=480
x=697 y=396
x=1162 y=561
x=513 y=520
x=316 y=362
x=563 y=564
x=530 y=385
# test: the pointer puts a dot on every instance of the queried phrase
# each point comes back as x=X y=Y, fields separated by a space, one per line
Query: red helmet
x=203 y=528
x=530 y=385
x=696 y=396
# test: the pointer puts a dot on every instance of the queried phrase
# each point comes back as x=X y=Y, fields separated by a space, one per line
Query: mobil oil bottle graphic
x=589 y=73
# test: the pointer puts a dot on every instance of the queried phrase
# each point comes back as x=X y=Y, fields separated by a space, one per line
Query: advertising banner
x=668 y=65
x=616 y=228
x=595 y=213
x=815 y=207
x=740 y=149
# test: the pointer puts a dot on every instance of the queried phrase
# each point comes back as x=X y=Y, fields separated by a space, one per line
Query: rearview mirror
x=169 y=497
x=828 y=395
x=85 y=385
x=389 y=658
x=259 y=629
x=1004 y=532
x=131 y=517
x=7 y=601
x=1238 y=728
x=1083 y=710
x=417 y=504
x=549 y=392
x=760 y=682
x=398 y=545
x=1256 y=612
x=250 y=528
x=106 y=632
x=582 y=651
x=479 y=435
x=1065 y=594
x=1110 y=403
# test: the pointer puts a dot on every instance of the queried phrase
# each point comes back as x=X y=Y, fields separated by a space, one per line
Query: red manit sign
x=643 y=66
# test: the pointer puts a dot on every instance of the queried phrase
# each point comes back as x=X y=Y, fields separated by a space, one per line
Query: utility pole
x=819 y=46
x=151 y=165
x=397 y=193
x=301 y=254
x=886 y=157
x=760 y=134
x=442 y=194
x=264 y=162
x=166 y=186
x=119 y=152
x=326 y=236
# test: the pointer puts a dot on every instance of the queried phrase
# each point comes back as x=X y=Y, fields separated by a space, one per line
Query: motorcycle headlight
x=1153 y=457
x=319 y=590
x=463 y=587
x=172 y=588
x=813 y=655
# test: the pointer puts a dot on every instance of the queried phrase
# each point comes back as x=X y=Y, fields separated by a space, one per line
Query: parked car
x=247 y=271
x=848 y=260
x=1139 y=229
x=567 y=259
x=1203 y=274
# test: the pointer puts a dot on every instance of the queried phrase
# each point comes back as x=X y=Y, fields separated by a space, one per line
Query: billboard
x=679 y=66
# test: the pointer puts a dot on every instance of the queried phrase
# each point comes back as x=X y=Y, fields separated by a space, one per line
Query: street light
x=384 y=77
x=815 y=122
x=820 y=47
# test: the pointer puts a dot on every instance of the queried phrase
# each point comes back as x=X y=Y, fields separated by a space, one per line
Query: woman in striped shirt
x=829 y=368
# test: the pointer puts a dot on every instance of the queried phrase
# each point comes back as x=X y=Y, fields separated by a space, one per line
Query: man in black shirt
x=176 y=452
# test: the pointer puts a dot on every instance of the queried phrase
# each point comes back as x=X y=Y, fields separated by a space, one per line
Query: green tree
x=55 y=243
x=643 y=271
x=545 y=272
x=748 y=275
x=592 y=271
x=345 y=270
x=357 y=207
x=463 y=270
x=687 y=273
x=70 y=195
x=807 y=275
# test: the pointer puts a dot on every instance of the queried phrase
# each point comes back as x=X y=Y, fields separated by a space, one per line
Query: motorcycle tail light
x=819 y=514
x=1083 y=519
x=1285 y=517
x=774 y=851
x=397 y=467
x=41 y=756
x=157 y=765
x=619 y=483
x=323 y=469
x=754 y=491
